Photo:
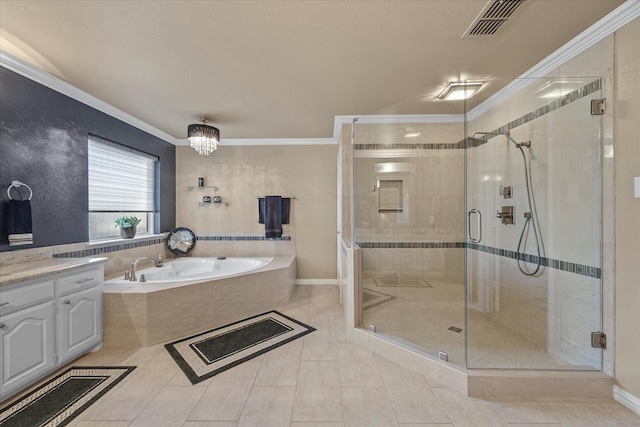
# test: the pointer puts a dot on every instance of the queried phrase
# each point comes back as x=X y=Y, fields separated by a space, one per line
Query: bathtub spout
x=134 y=266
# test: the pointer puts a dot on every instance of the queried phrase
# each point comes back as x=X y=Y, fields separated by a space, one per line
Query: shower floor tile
x=423 y=316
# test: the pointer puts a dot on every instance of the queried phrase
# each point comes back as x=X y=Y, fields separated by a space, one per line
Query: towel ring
x=17 y=184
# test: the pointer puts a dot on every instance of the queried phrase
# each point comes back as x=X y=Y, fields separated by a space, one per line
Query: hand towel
x=19 y=226
x=272 y=217
x=286 y=209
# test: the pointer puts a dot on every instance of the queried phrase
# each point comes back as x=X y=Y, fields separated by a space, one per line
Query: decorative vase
x=128 y=232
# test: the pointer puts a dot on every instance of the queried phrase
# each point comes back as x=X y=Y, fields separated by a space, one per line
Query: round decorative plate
x=181 y=240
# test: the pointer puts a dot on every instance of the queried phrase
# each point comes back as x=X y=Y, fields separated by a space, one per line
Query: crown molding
x=268 y=141
x=18 y=66
x=606 y=26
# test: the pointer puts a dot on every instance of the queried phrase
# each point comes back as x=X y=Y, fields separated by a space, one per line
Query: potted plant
x=127 y=226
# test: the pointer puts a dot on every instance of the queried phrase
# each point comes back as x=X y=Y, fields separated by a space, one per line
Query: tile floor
x=319 y=380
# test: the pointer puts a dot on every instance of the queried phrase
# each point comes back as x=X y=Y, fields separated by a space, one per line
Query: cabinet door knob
x=2 y=325
x=67 y=301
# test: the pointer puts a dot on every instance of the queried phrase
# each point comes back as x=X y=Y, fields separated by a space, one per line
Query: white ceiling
x=282 y=69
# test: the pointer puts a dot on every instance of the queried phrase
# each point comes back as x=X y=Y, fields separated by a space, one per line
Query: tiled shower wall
x=559 y=308
x=426 y=238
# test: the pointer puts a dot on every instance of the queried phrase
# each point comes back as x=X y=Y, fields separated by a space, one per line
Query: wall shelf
x=197 y=187
x=201 y=204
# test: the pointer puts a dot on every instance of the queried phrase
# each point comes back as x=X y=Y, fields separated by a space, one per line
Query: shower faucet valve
x=507 y=215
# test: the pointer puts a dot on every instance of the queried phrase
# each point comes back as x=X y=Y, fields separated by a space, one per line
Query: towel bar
x=17 y=184
x=284 y=197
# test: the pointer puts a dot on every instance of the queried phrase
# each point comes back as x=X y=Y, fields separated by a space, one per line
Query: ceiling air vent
x=494 y=15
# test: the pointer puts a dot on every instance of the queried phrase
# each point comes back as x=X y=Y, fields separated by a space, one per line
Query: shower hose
x=529 y=223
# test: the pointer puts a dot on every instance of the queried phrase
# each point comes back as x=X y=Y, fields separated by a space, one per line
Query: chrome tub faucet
x=134 y=266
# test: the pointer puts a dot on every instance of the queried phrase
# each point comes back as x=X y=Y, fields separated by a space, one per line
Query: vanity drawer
x=25 y=296
x=79 y=281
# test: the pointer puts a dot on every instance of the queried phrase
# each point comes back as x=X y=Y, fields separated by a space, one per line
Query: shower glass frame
x=431 y=336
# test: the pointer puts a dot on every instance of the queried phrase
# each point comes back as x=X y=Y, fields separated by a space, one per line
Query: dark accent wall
x=43 y=143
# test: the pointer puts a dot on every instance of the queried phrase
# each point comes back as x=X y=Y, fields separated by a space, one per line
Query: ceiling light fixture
x=411 y=134
x=202 y=137
x=460 y=90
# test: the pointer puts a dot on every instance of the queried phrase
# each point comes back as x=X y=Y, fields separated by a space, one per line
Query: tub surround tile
x=143 y=315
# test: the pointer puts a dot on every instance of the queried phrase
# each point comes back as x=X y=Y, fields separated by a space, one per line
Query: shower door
x=408 y=220
x=533 y=251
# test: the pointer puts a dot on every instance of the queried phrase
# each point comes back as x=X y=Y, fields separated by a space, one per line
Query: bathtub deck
x=143 y=316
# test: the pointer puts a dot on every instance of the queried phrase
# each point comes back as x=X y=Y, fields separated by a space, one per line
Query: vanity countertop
x=12 y=273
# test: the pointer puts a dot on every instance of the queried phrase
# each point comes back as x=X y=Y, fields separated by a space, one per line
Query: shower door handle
x=479 y=225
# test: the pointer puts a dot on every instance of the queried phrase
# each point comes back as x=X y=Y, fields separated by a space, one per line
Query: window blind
x=120 y=179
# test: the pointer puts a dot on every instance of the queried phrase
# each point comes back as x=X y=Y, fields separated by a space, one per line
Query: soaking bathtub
x=192 y=295
x=186 y=271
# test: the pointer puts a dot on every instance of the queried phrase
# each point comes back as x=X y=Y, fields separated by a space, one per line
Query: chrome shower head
x=507 y=134
x=469 y=142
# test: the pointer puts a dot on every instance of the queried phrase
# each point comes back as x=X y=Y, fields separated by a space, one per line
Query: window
x=122 y=182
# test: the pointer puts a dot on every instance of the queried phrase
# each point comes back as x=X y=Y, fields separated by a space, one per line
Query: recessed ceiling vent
x=494 y=15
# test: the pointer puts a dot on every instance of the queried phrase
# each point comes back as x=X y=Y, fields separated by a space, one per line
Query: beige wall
x=242 y=173
x=627 y=208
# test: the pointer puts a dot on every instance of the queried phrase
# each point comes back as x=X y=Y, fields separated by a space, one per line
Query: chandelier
x=202 y=137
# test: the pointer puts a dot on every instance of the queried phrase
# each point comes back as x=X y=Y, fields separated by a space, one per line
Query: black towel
x=286 y=209
x=272 y=217
x=19 y=226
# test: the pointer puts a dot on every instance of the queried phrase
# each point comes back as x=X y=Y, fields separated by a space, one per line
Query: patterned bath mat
x=207 y=354
x=61 y=399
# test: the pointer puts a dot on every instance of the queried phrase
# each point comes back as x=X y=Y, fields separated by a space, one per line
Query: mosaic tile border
x=91 y=252
x=567 y=99
x=109 y=248
x=410 y=245
x=443 y=146
x=241 y=238
x=570 y=267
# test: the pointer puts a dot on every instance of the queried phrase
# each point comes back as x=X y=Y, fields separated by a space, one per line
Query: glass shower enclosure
x=480 y=234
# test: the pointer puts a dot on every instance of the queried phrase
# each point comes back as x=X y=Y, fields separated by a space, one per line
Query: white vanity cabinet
x=26 y=345
x=46 y=322
x=79 y=313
